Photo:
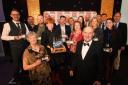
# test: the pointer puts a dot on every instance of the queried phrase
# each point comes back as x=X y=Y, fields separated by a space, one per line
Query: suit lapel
x=80 y=50
x=89 y=51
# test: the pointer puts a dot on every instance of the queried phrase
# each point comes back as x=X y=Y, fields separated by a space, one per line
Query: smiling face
x=88 y=34
x=109 y=24
x=32 y=38
x=117 y=17
x=81 y=19
x=94 y=22
x=50 y=26
x=15 y=15
x=30 y=20
x=62 y=20
x=77 y=26
x=40 y=19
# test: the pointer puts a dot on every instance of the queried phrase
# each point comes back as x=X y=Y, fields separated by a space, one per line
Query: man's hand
x=97 y=83
x=71 y=73
x=122 y=48
x=17 y=37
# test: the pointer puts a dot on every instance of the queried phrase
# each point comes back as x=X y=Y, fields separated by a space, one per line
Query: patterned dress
x=76 y=37
x=40 y=75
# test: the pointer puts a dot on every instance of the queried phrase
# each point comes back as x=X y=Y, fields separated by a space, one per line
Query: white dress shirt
x=104 y=22
x=85 y=49
x=62 y=29
x=6 y=30
x=63 y=34
x=117 y=24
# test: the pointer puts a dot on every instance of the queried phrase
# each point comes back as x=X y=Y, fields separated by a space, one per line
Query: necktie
x=115 y=25
x=103 y=25
x=86 y=44
x=18 y=26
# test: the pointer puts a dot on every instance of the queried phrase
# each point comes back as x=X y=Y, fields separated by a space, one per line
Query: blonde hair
x=31 y=34
x=96 y=20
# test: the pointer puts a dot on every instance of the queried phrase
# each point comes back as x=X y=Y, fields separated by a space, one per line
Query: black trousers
x=17 y=53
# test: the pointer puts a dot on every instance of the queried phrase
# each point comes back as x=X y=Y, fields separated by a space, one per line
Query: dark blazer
x=111 y=38
x=122 y=33
x=34 y=29
x=48 y=36
x=67 y=29
x=90 y=68
x=98 y=35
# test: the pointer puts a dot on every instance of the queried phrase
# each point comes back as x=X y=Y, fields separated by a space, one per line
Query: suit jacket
x=91 y=67
x=122 y=33
x=34 y=29
x=67 y=29
x=111 y=38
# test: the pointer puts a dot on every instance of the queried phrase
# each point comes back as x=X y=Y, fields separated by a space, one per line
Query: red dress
x=75 y=37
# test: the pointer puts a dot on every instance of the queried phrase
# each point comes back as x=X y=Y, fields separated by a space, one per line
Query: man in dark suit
x=30 y=24
x=121 y=29
x=63 y=29
x=87 y=61
x=103 y=21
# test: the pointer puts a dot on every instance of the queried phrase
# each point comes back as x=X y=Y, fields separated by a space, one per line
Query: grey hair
x=31 y=34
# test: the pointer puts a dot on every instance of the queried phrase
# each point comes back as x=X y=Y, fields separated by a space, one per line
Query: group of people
x=91 y=47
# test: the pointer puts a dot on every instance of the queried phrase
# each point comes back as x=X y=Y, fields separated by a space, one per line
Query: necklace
x=35 y=48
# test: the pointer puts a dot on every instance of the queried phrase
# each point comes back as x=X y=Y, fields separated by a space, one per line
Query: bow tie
x=86 y=44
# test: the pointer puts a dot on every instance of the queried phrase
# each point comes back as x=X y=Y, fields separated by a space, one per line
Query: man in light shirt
x=14 y=32
x=63 y=29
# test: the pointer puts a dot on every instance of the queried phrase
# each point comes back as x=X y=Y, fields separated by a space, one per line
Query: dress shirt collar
x=90 y=42
x=15 y=21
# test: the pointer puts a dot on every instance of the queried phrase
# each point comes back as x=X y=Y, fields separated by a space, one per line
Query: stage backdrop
x=75 y=14
x=2 y=17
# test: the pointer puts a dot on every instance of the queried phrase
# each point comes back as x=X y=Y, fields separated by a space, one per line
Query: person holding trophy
x=36 y=61
x=110 y=49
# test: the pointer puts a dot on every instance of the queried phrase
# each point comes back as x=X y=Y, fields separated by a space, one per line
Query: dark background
x=56 y=5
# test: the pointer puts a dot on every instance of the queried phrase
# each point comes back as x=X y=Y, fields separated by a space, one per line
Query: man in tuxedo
x=87 y=62
x=121 y=29
x=63 y=29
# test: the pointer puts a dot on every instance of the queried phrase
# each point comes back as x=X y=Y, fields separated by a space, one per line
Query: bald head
x=88 y=34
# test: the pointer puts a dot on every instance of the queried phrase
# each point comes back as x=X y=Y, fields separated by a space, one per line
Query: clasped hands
x=18 y=37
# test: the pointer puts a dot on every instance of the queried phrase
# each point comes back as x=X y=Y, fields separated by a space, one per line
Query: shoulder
x=26 y=52
x=42 y=46
x=67 y=26
x=95 y=43
x=58 y=25
x=80 y=42
x=121 y=23
x=6 y=24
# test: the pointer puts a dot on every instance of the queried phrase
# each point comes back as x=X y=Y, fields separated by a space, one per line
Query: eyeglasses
x=15 y=14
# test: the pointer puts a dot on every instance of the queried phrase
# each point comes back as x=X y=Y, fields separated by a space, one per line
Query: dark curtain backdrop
x=70 y=5
x=56 y=5
x=21 y=5
x=117 y=6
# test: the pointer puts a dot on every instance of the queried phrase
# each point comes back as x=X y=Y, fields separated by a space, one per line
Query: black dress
x=110 y=41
